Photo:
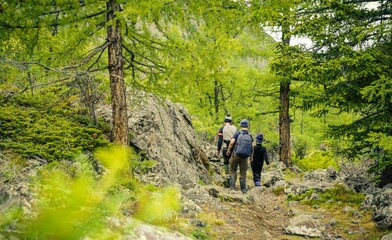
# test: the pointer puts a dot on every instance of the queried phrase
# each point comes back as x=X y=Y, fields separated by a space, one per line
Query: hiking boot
x=243 y=186
x=232 y=181
x=257 y=184
x=226 y=183
x=226 y=168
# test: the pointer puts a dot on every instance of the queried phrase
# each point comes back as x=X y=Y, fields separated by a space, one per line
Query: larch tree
x=350 y=59
x=214 y=64
x=54 y=35
x=280 y=16
x=116 y=74
x=63 y=42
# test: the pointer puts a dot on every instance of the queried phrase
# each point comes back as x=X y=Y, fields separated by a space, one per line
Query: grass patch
x=289 y=175
x=339 y=194
x=200 y=233
x=345 y=222
x=211 y=219
x=279 y=190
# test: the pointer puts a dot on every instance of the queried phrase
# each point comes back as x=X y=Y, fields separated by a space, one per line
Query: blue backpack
x=244 y=145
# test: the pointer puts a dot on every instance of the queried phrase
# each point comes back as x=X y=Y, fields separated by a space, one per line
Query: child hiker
x=257 y=162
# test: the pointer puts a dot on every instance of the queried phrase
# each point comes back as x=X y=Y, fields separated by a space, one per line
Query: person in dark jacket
x=257 y=161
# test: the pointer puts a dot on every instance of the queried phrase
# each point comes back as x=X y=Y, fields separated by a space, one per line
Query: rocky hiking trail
x=163 y=130
x=244 y=219
x=266 y=213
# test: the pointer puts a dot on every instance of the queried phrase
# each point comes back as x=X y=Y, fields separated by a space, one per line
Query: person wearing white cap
x=224 y=136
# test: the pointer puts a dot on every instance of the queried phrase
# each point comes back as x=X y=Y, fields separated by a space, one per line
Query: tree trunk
x=116 y=72
x=284 y=124
x=284 y=117
x=216 y=98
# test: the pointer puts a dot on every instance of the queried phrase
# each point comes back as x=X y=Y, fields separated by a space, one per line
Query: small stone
x=317 y=216
x=347 y=209
x=267 y=235
x=213 y=192
x=293 y=203
x=332 y=222
x=290 y=213
x=315 y=196
x=387 y=237
x=357 y=214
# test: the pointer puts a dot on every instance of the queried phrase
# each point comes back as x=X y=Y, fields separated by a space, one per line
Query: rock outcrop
x=380 y=202
x=162 y=131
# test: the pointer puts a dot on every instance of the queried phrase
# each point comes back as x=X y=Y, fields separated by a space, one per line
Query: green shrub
x=77 y=204
x=279 y=190
x=317 y=160
x=71 y=205
x=200 y=234
x=51 y=134
x=300 y=147
x=339 y=194
x=158 y=207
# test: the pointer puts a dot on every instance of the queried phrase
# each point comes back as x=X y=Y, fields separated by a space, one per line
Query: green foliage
x=74 y=202
x=70 y=205
x=53 y=134
x=383 y=161
x=351 y=74
x=317 y=160
x=278 y=191
x=158 y=207
x=288 y=175
x=300 y=147
x=201 y=233
x=146 y=165
x=338 y=195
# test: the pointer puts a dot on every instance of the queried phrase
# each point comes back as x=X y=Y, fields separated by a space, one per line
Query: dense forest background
x=215 y=58
x=62 y=60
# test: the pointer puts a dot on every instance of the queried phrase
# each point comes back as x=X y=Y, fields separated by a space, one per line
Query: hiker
x=257 y=161
x=241 y=145
x=224 y=136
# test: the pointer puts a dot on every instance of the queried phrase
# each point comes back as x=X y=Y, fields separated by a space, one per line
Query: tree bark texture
x=284 y=124
x=284 y=117
x=116 y=72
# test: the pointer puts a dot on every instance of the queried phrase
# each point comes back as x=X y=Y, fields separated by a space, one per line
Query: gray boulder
x=387 y=237
x=383 y=218
x=329 y=175
x=163 y=131
x=271 y=177
x=304 y=225
x=381 y=203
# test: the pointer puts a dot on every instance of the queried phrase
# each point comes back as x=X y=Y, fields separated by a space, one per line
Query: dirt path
x=258 y=214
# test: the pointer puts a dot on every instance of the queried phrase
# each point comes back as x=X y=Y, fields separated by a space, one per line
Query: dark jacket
x=260 y=155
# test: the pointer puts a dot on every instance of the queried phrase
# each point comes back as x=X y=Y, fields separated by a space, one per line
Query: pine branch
x=41 y=24
x=130 y=52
